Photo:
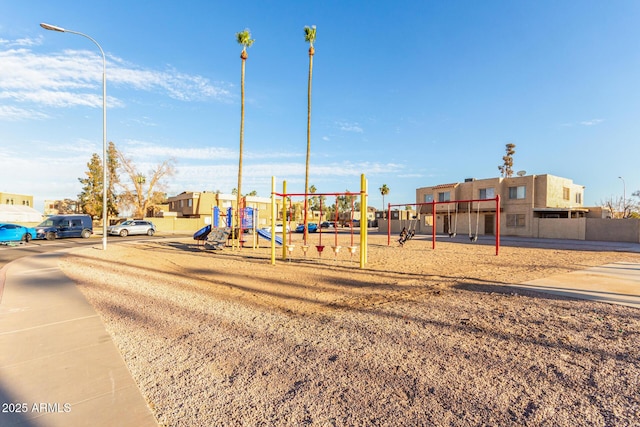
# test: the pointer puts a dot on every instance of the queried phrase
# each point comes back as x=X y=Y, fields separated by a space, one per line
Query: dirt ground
x=420 y=337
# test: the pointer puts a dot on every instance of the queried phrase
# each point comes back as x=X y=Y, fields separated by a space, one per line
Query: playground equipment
x=201 y=235
x=268 y=236
x=288 y=246
x=474 y=237
x=452 y=233
x=432 y=207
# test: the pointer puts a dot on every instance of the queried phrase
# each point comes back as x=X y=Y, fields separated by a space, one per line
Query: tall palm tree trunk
x=243 y=56
x=306 y=170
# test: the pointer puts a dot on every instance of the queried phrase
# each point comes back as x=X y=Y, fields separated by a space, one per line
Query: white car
x=132 y=227
x=279 y=228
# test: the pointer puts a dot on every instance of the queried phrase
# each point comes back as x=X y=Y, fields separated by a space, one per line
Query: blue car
x=313 y=228
x=16 y=233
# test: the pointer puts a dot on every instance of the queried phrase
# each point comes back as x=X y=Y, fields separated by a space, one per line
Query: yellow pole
x=363 y=221
x=274 y=212
x=285 y=235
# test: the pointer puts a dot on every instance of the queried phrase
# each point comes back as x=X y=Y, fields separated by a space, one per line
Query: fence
x=594 y=229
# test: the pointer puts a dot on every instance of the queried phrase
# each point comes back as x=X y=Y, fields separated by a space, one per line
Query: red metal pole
x=335 y=227
x=320 y=221
x=388 y=224
x=433 y=231
x=497 y=224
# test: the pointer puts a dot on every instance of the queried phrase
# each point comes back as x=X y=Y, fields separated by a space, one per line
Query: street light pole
x=624 y=198
x=105 y=213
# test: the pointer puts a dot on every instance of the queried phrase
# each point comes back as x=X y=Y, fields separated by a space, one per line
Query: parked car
x=16 y=233
x=131 y=227
x=313 y=228
x=60 y=226
x=355 y=223
x=279 y=228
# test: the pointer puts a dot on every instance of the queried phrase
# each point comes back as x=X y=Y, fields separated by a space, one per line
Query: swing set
x=451 y=223
x=288 y=247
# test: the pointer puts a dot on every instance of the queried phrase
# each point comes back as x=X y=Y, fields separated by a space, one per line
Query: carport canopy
x=19 y=214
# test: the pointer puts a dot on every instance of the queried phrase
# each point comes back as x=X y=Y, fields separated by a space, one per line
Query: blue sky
x=410 y=93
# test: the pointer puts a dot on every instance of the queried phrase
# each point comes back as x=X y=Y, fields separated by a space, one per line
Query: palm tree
x=244 y=38
x=309 y=37
x=506 y=169
x=384 y=190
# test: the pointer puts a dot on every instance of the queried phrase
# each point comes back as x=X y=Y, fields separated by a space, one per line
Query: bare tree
x=620 y=208
x=143 y=192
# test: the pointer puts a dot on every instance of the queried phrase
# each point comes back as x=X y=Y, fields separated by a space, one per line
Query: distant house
x=199 y=204
x=524 y=200
x=58 y=207
x=16 y=199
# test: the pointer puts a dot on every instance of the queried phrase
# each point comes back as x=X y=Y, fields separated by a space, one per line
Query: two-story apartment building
x=523 y=198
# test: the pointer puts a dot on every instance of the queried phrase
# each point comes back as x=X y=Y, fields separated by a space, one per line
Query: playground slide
x=202 y=233
x=266 y=235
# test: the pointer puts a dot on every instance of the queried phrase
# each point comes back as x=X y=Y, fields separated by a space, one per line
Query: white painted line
x=36 y=271
x=48 y=324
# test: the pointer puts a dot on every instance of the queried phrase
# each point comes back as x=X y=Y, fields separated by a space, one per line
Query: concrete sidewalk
x=617 y=283
x=58 y=364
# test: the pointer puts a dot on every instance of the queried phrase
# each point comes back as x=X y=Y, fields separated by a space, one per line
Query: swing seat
x=352 y=249
x=320 y=248
x=290 y=248
x=336 y=249
x=304 y=248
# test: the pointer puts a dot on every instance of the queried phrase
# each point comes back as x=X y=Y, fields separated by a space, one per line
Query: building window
x=181 y=203
x=428 y=198
x=517 y=192
x=579 y=198
x=190 y=203
x=566 y=193
x=516 y=220
x=444 y=197
x=487 y=193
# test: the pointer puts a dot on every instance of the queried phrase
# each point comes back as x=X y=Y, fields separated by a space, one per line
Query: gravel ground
x=420 y=337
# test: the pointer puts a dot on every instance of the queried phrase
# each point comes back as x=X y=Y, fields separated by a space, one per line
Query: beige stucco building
x=16 y=199
x=200 y=204
x=523 y=200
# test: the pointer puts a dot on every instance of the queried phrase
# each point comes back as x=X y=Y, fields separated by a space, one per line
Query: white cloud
x=27 y=41
x=353 y=169
x=144 y=149
x=591 y=122
x=177 y=85
x=74 y=78
x=10 y=113
x=140 y=149
x=349 y=127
